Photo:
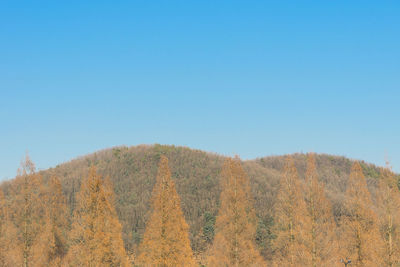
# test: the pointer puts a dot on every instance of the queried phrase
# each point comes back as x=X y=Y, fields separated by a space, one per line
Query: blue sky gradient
x=252 y=78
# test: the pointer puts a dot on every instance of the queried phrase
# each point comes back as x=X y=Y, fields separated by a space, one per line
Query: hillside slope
x=133 y=170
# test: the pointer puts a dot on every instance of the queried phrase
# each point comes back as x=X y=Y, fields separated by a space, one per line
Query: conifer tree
x=166 y=239
x=323 y=243
x=388 y=198
x=292 y=225
x=51 y=245
x=234 y=242
x=36 y=232
x=96 y=238
x=360 y=239
x=28 y=208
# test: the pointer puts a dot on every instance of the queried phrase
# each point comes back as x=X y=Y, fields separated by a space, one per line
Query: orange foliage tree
x=52 y=241
x=292 y=225
x=388 y=198
x=360 y=239
x=166 y=239
x=28 y=209
x=96 y=232
x=322 y=241
x=234 y=242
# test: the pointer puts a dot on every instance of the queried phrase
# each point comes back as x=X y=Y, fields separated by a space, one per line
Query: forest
x=158 y=205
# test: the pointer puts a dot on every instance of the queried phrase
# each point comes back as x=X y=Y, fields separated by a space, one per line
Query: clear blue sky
x=252 y=78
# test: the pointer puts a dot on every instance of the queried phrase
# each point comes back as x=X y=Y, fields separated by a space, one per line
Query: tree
x=166 y=239
x=322 y=244
x=360 y=239
x=52 y=242
x=236 y=223
x=388 y=202
x=96 y=232
x=292 y=226
x=27 y=213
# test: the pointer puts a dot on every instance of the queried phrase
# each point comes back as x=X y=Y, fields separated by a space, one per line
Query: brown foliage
x=166 y=240
x=8 y=248
x=292 y=225
x=96 y=232
x=359 y=235
x=196 y=176
x=34 y=221
x=53 y=240
x=234 y=243
x=28 y=209
x=388 y=198
x=322 y=240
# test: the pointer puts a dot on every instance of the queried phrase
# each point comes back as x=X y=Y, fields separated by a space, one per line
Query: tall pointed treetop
x=360 y=239
x=234 y=243
x=322 y=241
x=292 y=225
x=96 y=232
x=166 y=239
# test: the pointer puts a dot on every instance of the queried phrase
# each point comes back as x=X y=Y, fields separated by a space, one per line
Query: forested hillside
x=132 y=172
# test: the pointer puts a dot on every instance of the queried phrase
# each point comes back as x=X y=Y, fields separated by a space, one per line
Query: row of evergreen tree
x=35 y=231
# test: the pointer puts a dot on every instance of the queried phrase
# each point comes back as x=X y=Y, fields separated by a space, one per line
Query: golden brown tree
x=39 y=215
x=51 y=246
x=26 y=227
x=359 y=235
x=388 y=199
x=292 y=225
x=96 y=232
x=322 y=243
x=234 y=242
x=166 y=239
x=27 y=213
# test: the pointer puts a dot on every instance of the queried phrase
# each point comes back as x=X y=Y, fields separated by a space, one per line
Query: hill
x=133 y=170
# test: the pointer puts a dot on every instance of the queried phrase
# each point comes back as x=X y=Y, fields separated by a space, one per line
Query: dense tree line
x=40 y=226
